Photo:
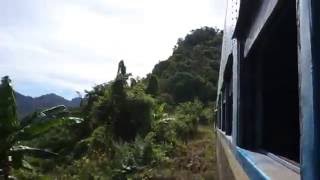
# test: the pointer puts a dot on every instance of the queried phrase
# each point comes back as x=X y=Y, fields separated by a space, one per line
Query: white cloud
x=77 y=43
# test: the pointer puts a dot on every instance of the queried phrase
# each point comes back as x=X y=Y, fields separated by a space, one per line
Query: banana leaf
x=20 y=151
x=37 y=128
x=48 y=114
x=55 y=112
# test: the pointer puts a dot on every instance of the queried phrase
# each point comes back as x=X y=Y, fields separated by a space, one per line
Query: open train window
x=223 y=112
x=219 y=113
x=226 y=100
x=228 y=96
x=272 y=78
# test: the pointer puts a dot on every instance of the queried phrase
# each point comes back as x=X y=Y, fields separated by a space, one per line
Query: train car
x=267 y=103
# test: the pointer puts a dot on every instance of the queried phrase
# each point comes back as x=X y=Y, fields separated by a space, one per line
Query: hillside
x=193 y=68
x=27 y=104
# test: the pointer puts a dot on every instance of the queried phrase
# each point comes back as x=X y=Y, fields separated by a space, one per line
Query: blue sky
x=63 y=46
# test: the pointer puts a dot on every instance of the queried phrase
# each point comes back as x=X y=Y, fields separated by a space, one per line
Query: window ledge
x=258 y=165
x=268 y=167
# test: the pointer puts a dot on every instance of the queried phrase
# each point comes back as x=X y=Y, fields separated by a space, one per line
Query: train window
x=228 y=97
x=229 y=104
x=275 y=98
x=219 y=113
x=279 y=76
x=223 y=113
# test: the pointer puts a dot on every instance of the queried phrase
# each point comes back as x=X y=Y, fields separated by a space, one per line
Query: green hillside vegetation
x=158 y=127
x=193 y=69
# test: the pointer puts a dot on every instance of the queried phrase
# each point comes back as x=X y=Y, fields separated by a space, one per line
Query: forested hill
x=193 y=68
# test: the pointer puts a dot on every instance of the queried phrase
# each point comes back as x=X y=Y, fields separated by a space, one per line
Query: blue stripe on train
x=249 y=166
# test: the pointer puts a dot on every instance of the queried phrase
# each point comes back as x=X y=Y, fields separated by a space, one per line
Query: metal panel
x=308 y=59
x=263 y=14
x=236 y=88
x=229 y=26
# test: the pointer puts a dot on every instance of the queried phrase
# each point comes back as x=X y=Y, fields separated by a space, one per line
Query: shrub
x=188 y=115
x=206 y=116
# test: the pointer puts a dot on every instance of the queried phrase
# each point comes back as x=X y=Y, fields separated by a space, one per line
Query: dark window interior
x=279 y=77
x=223 y=117
x=273 y=87
x=218 y=116
x=229 y=110
x=228 y=95
x=247 y=127
x=219 y=119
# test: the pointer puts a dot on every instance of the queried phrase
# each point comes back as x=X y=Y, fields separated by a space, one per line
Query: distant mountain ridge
x=27 y=104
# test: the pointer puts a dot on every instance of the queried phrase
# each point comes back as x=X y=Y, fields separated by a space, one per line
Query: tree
x=125 y=111
x=122 y=73
x=185 y=86
x=12 y=131
x=133 y=82
x=153 y=87
x=121 y=68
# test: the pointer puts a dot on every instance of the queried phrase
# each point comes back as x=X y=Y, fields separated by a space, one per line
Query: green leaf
x=37 y=128
x=19 y=151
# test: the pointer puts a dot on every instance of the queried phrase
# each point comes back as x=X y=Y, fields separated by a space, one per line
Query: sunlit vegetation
x=155 y=127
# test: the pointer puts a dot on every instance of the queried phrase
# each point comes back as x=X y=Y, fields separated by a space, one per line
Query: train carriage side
x=267 y=104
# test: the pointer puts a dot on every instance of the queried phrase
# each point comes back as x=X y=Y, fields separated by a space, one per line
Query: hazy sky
x=61 y=46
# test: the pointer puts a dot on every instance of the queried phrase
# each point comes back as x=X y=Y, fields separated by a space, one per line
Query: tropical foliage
x=139 y=130
x=12 y=132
